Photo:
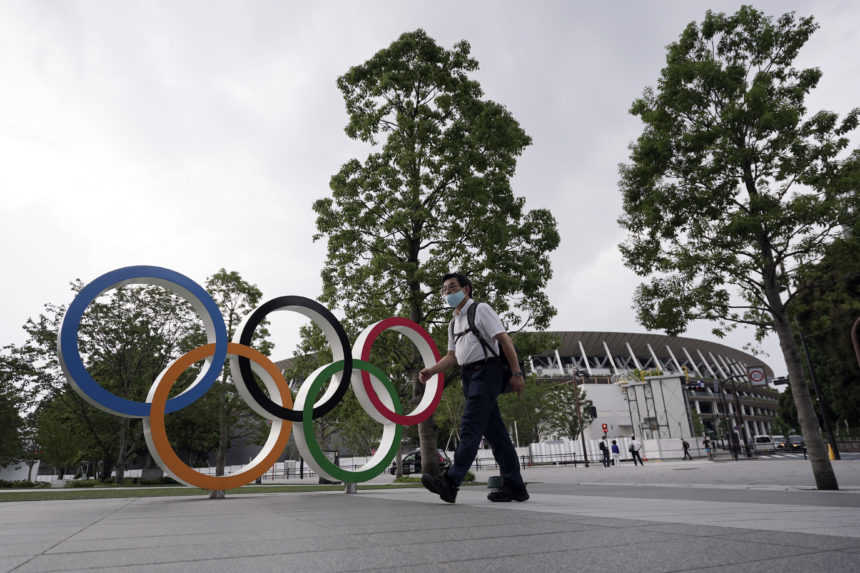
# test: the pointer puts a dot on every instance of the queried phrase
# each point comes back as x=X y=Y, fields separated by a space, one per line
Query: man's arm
x=447 y=361
x=507 y=346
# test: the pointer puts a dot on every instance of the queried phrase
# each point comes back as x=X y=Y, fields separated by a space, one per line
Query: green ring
x=308 y=423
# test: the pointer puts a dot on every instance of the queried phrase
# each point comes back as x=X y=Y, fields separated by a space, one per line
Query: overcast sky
x=196 y=135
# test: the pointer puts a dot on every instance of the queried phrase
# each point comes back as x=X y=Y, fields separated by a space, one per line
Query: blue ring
x=92 y=390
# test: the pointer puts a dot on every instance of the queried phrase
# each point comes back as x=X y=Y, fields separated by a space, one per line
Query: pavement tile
x=830 y=561
x=791 y=539
x=9 y=562
x=412 y=531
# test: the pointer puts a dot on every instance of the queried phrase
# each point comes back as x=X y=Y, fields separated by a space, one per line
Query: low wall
x=19 y=472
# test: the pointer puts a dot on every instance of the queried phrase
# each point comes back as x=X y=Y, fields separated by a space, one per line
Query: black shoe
x=508 y=494
x=440 y=484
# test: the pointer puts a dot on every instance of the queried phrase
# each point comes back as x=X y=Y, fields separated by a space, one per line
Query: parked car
x=763 y=443
x=412 y=462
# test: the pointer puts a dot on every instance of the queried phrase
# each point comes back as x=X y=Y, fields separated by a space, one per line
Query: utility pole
x=855 y=339
x=825 y=417
x=581 y=425
x=739 y=412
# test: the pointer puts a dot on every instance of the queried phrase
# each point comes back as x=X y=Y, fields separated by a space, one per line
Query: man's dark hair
x=462 y=280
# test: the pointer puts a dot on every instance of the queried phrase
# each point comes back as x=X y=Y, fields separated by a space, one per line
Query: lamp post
x=579 y=415
x=855 y=339
x=739 y=411
x=825 y=418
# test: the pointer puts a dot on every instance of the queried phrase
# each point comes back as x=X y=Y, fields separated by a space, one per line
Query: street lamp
x=825 y=417
x=579 y=414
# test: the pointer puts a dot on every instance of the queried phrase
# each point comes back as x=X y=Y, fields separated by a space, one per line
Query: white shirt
x=636 y=444
x=468 y=349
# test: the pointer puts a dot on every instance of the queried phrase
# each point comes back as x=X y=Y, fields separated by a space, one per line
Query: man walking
x=604 y=451
x=686 y=446
x=635 y=446
x=479 y=353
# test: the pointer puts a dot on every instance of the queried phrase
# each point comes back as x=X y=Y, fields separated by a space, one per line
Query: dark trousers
x=605 y=459
x=482 y=385
x=636 y=456
x=687 y=454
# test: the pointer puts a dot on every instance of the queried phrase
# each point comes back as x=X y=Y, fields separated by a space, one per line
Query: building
x=658 y=386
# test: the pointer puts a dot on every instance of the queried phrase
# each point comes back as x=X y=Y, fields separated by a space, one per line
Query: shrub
x=23 y=484
x=82 y=483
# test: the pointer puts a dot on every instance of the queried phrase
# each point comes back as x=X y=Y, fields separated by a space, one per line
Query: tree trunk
x=427 y=439
x=398 y=472
x=427 y=434
x=121 y=453
x=221 y=451
x=822 y=470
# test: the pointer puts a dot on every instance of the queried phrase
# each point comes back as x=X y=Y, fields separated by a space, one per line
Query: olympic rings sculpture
x=374 y=390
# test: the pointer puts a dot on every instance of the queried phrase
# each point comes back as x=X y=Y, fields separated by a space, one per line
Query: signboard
x=756 y=375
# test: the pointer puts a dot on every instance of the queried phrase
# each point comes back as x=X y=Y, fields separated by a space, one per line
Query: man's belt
x=482 y=362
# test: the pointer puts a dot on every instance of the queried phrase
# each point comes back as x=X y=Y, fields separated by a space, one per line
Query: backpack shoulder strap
x=473 y=327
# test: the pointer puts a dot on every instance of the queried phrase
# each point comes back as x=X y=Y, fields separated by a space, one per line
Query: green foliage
x=126 y=338
x=698 y=426
x=79 y=483
x=10 y=419
x=448 y=414
x=825 y=309
x=729 y=187
x=433 y=196
x=234 y=419
x=436 y=197
x=733 y=187
x=21 y=484
x=566 y=409
x=642 y=374
x=529 y=409
x=61 y=437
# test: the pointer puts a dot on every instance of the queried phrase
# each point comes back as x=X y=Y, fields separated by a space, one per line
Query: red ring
x=406 y=420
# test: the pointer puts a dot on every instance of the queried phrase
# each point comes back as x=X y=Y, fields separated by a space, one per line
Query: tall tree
x=435 y=196
x=730 y=188
x=236 y=298
x=826 y=307
x=11 y=421
x=567 y=410
x=126 y=337
x=62 y=440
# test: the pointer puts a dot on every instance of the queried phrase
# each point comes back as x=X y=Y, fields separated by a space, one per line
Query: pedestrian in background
x=604 y=452
x=616 y=454
x=635 y=447
x=686 y=445
x=707 y=445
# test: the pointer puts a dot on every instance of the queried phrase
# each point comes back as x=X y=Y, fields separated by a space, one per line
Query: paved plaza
x=668 y=516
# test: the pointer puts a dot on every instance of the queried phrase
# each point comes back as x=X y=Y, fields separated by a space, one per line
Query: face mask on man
x=455 y=298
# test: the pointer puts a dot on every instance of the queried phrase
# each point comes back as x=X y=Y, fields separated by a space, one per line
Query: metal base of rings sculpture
x=319 y=393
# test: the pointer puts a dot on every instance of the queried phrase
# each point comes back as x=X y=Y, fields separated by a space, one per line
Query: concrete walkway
x=592 y=519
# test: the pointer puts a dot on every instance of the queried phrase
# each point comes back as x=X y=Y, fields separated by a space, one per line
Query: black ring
x=247 y=377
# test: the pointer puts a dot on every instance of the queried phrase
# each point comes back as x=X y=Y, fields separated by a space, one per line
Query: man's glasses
x=449 y=289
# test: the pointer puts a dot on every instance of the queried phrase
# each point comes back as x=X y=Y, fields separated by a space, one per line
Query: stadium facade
x=657 y=386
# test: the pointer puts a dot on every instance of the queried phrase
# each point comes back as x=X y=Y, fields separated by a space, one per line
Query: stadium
x=658 y=386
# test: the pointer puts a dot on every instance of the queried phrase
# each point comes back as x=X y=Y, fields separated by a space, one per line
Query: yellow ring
x=156 y=432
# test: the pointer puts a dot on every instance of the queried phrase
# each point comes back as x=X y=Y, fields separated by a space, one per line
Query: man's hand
x=425 y=375
x=518 y=384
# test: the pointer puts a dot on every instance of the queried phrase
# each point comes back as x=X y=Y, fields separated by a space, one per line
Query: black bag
x=473 y=328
